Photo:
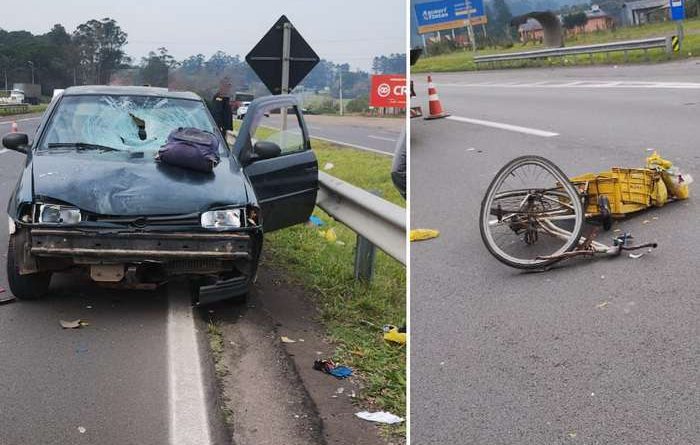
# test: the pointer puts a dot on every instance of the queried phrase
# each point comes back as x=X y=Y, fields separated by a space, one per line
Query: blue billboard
x=677 y=10
x=448 y=14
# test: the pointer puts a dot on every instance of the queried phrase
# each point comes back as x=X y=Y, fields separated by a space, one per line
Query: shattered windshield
x=124 y=123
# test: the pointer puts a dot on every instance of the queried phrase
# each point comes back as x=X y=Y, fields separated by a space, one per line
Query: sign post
x=678 y=14
x=281 y=59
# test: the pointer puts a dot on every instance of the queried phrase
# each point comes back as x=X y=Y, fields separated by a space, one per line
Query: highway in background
x=594 y=351
x=369 y=134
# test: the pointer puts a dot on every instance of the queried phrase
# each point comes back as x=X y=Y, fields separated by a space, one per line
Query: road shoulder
x=270 y=388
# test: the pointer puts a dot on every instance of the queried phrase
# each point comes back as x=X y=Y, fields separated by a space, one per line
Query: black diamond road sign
x=266 y=58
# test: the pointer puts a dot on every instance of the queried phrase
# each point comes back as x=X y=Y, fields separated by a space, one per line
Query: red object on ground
x=436 y=111
x=388 y=90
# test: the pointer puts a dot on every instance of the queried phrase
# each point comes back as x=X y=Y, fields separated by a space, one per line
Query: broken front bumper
x=140 y=246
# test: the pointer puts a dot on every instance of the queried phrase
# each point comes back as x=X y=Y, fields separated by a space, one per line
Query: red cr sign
x=388 y=90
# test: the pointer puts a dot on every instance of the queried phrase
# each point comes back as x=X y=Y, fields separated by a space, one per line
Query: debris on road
x=81 y=429
x=73 y=324
x=287 y=340
x=636 y=256
x=424 y=234
x=394 y=334
x=329 y=367
x=380 y=417
x=602 y=305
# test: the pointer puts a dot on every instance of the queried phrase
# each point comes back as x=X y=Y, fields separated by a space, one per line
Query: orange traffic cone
x=436 y=111
x=15 y=128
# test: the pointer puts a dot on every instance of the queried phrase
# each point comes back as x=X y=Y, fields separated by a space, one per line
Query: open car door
x=278 y=161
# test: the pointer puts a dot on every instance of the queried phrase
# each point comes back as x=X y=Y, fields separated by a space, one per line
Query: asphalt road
x=370 y=134
x=140 y=372
x=595 y=351
x=134 y=375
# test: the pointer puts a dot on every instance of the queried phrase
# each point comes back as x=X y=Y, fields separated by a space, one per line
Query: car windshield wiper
x=81 y=146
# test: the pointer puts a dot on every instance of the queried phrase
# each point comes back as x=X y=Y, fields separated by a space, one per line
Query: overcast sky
x=348 y=31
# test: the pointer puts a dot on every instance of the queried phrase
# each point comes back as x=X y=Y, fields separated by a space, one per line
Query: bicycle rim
x=530 y=214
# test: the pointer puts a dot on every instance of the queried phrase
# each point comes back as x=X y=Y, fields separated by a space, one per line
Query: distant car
x=92 y=197
x=242 y=110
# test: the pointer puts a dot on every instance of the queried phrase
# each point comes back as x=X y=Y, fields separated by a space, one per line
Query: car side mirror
x=266 y=150
x=17 y=142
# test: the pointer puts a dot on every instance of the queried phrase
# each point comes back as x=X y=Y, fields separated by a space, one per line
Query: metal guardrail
x=379 y=221
x=15 y=108
x=628 y=45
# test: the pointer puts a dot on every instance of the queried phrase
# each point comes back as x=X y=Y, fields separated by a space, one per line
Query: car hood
x=110 y=184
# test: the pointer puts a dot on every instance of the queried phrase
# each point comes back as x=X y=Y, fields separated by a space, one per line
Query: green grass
x=350 y=308
x=464 y=60
x=31 y=109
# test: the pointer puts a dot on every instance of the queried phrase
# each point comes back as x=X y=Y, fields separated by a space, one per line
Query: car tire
x=25 y=287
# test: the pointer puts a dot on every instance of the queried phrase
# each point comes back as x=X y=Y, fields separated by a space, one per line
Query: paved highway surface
x=370 y=134
x=138 y=374
x=595 y=351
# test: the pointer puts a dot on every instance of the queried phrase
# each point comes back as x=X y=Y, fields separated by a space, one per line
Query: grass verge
x=353 y=312
x=31 y=109
x=464 y=60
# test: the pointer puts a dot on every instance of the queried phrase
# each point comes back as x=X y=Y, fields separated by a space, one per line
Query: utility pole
x=340 y=72
x=32 y=65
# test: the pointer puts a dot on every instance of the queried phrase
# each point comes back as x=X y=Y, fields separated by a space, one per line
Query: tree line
x=94 y=53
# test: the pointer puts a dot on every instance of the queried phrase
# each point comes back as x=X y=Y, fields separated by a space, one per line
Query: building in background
x=644 y=11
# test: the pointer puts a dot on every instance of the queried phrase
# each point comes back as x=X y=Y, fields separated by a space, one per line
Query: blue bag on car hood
x=191 y=148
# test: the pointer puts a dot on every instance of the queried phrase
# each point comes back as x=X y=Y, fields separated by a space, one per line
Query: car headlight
x=222 y=219
x=57 y=214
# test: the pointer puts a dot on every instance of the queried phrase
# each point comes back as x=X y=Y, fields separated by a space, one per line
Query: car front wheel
x=24 y=287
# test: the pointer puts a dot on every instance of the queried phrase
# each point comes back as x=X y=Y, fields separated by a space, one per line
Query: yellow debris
x=424 y=234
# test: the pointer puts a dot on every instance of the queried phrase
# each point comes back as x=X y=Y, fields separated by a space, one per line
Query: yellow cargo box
x=628 y=189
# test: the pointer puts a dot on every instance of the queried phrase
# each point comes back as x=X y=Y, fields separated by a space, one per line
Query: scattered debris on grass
x=316 y=221
x=328 y=166
x=380 y=417
x=329 y=367
x=394 y=334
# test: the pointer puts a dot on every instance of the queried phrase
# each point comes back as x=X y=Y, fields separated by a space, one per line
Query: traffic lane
x=680 y=71
x=624 y=117
x=531 y=358
x=109 y=377
x=372 y=133
x=143 y=371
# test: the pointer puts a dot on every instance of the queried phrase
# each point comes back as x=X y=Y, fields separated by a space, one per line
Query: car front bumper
x=129 y=246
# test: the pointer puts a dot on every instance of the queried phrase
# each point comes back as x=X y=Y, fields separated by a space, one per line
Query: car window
x=126 y=123
x=269 y=128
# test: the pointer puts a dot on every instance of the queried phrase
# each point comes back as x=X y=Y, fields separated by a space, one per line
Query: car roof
x=129 y=91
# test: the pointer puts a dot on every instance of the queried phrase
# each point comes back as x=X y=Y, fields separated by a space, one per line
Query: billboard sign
x=449 y=14
x=388 y=90
x=677 y=10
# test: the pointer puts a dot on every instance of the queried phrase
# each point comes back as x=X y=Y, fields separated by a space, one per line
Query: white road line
x=508 y=127
x=579 y=84
x=3 y=150
x=381 y=138
x=189 y=423
x=359 y=147
x=20 y=120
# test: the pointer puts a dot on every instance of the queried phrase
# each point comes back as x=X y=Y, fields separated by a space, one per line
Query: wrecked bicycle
x=533 y=215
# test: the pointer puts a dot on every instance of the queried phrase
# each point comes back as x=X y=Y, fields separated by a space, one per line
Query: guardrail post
x=364 y=255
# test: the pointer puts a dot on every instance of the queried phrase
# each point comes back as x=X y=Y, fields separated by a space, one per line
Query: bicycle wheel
x=530 y=214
